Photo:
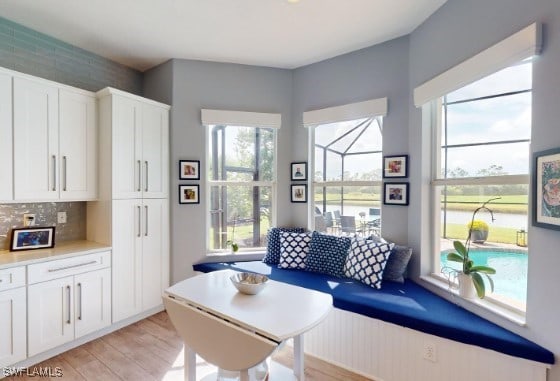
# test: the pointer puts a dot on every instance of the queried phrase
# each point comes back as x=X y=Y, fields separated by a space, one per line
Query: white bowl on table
x=249 y=283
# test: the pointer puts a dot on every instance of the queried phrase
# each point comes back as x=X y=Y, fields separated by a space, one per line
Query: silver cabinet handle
x=54 y=172
x=146 y=188
x=68 y=321
x=80 y=303
x=139 y=222
x=146 y=221
x=71 y=266
x=139 y=176
x=64 y=173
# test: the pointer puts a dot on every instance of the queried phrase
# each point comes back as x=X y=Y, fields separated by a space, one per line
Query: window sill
x=492 y=304
x=228 y=257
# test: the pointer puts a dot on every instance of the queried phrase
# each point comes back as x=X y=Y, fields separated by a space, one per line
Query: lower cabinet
x=63 y=309
x=13 y=336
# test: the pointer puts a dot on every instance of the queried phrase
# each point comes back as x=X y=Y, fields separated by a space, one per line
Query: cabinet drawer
x=12 y=278
x=44 y=271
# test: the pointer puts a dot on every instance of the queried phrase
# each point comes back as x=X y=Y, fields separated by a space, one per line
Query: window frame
x=437 y=182
x=313 y=184
x=243 y=253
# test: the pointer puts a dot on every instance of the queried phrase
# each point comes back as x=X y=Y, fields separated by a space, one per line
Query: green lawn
x=495 y=234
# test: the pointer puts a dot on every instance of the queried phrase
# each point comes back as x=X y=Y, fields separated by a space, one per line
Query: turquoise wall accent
x=27 y=51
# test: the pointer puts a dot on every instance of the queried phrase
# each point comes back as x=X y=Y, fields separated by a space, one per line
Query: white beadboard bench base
x=388 y=352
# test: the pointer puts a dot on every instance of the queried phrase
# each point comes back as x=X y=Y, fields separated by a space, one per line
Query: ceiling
x=275 y=33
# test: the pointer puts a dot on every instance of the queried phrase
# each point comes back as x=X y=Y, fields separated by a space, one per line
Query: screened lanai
x=348 y=172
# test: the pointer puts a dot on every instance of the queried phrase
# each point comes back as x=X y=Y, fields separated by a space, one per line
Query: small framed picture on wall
x=189 y=169
x=299 y=193
x=189 y=194
x=395 y=194
x=299 y=171
x=395 y=166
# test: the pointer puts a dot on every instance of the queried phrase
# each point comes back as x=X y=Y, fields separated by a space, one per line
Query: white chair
x=216 y=340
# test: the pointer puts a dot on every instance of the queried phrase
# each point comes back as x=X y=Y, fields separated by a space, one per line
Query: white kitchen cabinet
x=51 y=316
x=66 y=299
x=13 y=334
x=54 y=142
x=141 y=260
x=6 y=174
x=92 y=300
x=138 y=130
x=35 y=139
x=78 y=146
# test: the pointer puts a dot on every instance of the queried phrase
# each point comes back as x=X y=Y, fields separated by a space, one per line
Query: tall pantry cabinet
x=132 y=214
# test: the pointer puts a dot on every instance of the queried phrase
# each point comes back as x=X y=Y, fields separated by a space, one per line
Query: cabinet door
x=126 y=257
x=127 y=148
x=6 y=173
x=35 y=140
x=50 y=307
x=13 y=332
x=155 y=151
x=78 y=146
x=155 y=252
x=92 y=301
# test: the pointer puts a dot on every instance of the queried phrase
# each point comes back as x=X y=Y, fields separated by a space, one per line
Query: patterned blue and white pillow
x=327 y=254
x=272 y=256
x=293 y=250
x=366 y=261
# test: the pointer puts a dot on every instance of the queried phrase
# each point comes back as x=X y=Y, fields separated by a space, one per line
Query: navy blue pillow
x=327 y=254
x=272 y=256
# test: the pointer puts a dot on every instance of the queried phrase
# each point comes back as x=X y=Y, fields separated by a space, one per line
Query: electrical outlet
x=61 y=217
x=28 y=219
x=430 y=352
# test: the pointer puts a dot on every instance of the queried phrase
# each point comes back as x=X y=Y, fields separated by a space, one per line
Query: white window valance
x=517 y=47
x=240 y=118
x=352 y=111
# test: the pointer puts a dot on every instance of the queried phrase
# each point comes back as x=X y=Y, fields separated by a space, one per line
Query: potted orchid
x=471 y=276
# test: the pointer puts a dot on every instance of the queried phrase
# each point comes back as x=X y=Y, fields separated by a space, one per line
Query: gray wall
x=460 y=29
x=194 y=85
x=27 y=51
x=375 y=72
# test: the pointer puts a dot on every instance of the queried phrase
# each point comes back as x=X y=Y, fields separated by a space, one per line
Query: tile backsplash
x=46 y=213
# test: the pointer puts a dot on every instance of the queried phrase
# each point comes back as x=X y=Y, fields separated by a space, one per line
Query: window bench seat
x=408 y=305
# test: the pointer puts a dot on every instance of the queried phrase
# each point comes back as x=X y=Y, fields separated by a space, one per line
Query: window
x=241 y=180
x=482 y=143
x=347 y=179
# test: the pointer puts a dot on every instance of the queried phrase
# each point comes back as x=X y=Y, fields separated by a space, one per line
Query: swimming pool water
x=510 y=279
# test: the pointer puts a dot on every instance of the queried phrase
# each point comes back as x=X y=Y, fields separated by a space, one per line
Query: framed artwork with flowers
x=546 y=187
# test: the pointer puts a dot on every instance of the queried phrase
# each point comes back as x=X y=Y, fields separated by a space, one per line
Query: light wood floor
x=152 y=350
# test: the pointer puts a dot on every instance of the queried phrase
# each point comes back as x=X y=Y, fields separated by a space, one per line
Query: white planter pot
x=466 y=286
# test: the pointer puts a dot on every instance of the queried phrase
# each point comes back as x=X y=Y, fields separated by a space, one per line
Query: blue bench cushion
x=406 y=304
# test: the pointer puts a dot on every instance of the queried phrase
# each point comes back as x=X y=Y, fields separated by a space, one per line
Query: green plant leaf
x=479 y=285
x=461 y=249
x=490 y=281
x=454 y=257
x=483 y=269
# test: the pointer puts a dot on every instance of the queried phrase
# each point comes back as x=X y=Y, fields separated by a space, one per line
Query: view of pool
x=510 y=279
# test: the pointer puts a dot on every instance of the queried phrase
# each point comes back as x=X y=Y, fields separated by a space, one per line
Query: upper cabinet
x=137 y=130
x=54 y=142
x=78 y=146
x=35 y=130
x=6 y=183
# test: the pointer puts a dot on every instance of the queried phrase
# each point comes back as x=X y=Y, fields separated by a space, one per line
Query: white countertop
x=279 y=312
x=61 y=250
